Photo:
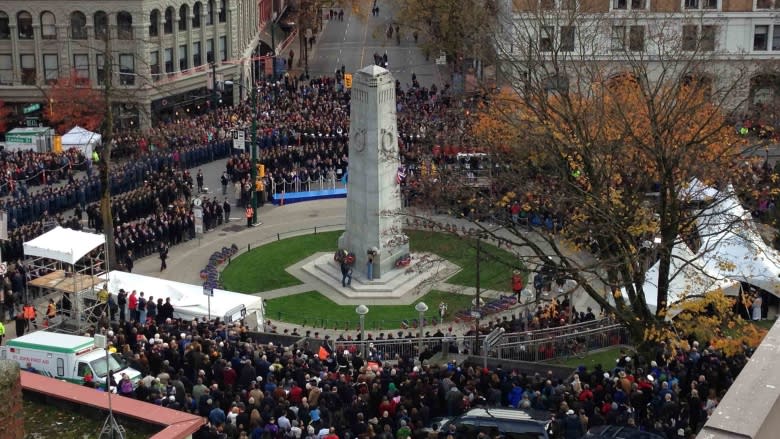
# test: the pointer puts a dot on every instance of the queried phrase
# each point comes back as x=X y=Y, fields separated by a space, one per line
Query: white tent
x=66 y=245
x=81 y=138
x=188 y=301
x=688 y=278
x=732 y=247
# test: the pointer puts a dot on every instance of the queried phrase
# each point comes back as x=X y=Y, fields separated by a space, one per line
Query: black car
x=618 y=432
x=509 y=423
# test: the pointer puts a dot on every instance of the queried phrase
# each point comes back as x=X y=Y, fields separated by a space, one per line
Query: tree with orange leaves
x=603 y=155
x=5 y=111
x=71 y=104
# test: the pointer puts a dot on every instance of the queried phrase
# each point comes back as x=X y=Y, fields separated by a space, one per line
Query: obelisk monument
x=374 y=223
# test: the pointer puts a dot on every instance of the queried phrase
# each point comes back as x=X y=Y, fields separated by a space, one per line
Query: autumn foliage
x=70 y=104
x=5 y=111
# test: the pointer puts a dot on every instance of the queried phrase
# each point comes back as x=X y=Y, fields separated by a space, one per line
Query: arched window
x=154 y=23
x=101 y=25
x=24 y=23
x=5 y=26
x=78 y=26
x=222 y=11
x=183 y=17
x=210 y=13
x=124 y=25
x=48 y=26
x=168 y=25
x=197 y=10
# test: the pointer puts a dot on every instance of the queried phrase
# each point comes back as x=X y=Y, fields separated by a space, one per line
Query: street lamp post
x=361 y=311
x=253 y=171
x=273 y=46
x=421 y=308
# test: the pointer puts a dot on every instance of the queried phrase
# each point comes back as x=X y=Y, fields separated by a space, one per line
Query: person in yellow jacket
x=51 y=312
x=2 y=332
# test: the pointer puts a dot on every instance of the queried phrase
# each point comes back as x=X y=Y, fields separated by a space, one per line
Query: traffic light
x=348 y=80
x=57 y=147
x=259 y=186
x=260 y=170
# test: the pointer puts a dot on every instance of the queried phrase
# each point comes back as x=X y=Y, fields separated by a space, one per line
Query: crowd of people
x=22 y=169
x=247 y=389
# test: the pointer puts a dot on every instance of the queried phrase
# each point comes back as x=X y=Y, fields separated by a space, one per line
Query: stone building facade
x=161 y=51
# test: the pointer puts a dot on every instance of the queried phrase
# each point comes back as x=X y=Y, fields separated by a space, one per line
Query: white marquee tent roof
x=188 y=300
x=66 y=245
x=81 y=138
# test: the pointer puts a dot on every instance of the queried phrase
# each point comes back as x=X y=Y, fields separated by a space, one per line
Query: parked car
x=510 y=423
x=618 y=432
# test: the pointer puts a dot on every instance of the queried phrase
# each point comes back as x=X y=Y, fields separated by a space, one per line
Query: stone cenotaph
x=373 y=222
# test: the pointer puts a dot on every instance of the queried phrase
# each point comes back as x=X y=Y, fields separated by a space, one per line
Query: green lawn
x=606 y=358
x=263 y=269
x=307 y=309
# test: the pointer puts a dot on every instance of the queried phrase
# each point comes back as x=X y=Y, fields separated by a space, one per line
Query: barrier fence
x=533 y=349
x=296 y=184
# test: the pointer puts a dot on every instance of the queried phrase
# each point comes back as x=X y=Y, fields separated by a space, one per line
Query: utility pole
x=478 y=305
x=214 y=99
x=254 y=153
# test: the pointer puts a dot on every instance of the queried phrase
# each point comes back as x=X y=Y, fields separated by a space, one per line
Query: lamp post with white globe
x=361 y=311
x=421 y=308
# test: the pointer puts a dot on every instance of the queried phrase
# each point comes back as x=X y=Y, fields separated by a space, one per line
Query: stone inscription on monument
x=373 y=193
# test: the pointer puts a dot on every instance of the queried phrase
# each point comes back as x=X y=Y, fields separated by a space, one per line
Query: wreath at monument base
x=403 y=261
x=344 y=256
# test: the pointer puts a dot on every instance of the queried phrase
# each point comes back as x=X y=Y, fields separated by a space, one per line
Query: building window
x=626 y=5
x=546 y=38
x=708 y=38
x=124 y=25
x=567 y=38
x=48 y=26
x=210 y=50
x=154 y=23
x=620 y=4
x=196 y=58
x=618 y=37
x=760 y=37
x=570 y=5
x=27 y=63
x=126 y=69
x=154 y=64
x=222 y=11
x=168 y=60
x=6 y=70
x=636 y=39
x=764 y=4
x=5 y=26
x=81 y=68
x=210 y=13
x=547 y=5
x=700 y=4
x=100 y=68
x=183 y=12
x=183 y=58
x=51 y=68
x=24 y=24
x=223 y=48
x=101 y=25
x=78 y=26
x=196 y=13
x=776 y=37
x=168 y=25
x=690 y=36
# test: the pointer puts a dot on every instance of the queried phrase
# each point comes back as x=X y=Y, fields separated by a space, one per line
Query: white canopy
x=188 y=301
x=732 y=247
x=688 y=278
x=66 y=245
x=81 y=138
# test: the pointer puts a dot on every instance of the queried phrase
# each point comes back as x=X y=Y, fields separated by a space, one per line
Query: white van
x=65 y=357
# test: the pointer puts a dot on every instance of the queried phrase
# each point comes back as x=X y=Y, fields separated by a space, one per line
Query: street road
x=352 y=43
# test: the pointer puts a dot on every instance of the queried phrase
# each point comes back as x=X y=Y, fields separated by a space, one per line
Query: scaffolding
x=71 y=278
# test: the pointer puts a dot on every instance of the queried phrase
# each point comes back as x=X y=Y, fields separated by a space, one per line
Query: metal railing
x=559 y=331
x=551 y=348
x=533 y=349
x=294 y=184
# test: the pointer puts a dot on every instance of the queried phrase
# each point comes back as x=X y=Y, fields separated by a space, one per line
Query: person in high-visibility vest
x=51 y=312
x=2 y=332
x=28 y=311
x=250 y=213
x=95 y=157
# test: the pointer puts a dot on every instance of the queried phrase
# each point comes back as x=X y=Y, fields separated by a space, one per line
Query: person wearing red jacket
x=132 y=305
